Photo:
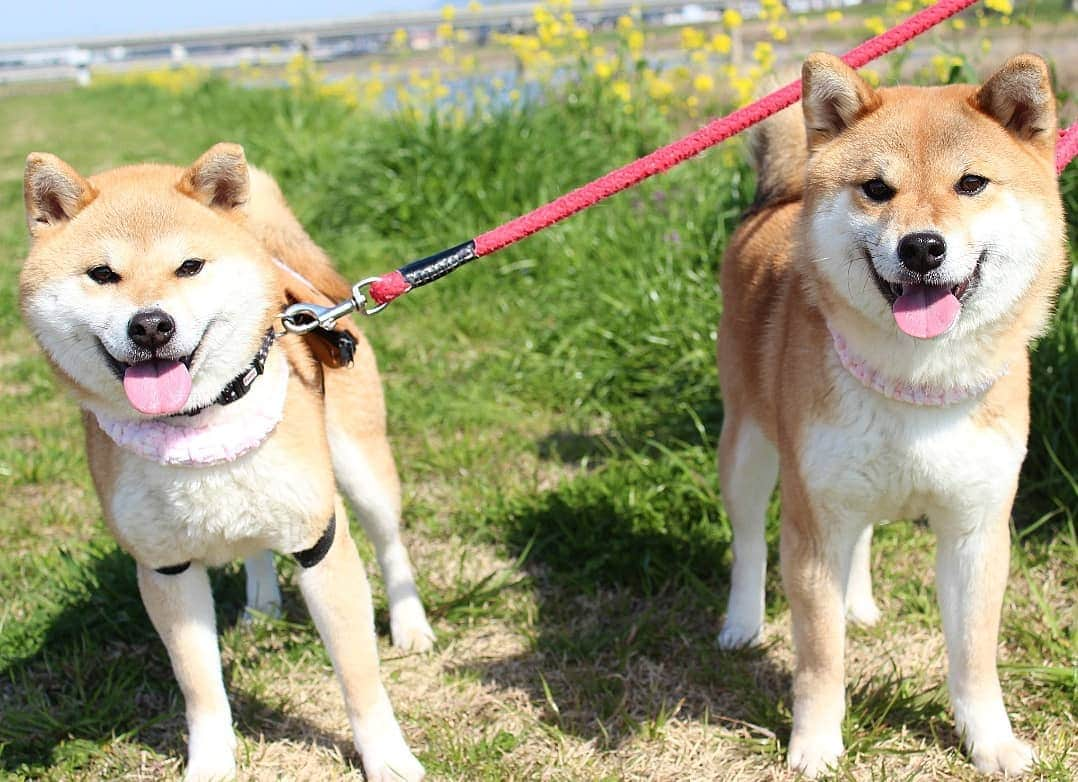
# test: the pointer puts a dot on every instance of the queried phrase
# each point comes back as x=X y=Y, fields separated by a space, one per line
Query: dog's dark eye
x=190 y=267
x=878 y=190
x=103 y=275
x=971 y=184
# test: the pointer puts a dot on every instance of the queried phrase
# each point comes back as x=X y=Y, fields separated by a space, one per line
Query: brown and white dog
x=878 y=304
x=154 y=291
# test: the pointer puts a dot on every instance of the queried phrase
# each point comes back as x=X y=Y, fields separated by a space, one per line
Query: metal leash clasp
x=303 y=317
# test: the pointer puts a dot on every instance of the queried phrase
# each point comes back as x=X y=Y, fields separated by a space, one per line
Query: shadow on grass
x=100 y=673
x=631 y=585
x=630 y=566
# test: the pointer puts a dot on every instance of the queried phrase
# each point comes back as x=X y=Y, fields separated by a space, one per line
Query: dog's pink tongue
x=926 y=311
x=157 y=387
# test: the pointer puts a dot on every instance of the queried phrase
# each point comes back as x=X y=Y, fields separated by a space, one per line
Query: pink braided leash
x=396 y=283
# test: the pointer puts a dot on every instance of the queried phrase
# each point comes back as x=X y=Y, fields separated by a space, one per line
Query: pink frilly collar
x=232 y=432
x=901 y=390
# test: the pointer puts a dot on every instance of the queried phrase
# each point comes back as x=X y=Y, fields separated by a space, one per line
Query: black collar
x=238 y=387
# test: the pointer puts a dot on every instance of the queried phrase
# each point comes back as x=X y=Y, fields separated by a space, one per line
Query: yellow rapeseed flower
x=444 y=31
x=474 y=5
x=778 y=32
x=1005 y=7
x=721 y=43
x=635 y=42
x=903 y=7
x=660 y=88
x=514 y=95
x=622 y=90
x=448 y=12
x=625 y=23
x=691 y=38
x=702 y=82
x=603 y=70
x=959 y=24
x=400 y=38
x=875 y=25
x=833 y=17
x=986 y=45
x=871 y=76
x=731 y=18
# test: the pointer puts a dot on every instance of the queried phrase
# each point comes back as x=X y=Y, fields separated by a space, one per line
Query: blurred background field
x=554 y=410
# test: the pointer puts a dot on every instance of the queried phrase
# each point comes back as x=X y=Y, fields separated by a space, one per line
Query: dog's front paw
x=813 y=754
x=392 y=764
x=410 y=630
x=211 y=769
x=737 y=636
x=1010 y=755
x=211 y=753
x=863 y=611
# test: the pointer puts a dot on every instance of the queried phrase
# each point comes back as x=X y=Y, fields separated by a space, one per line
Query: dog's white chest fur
x=214 y=514
x=169 y=514
x=892 y=460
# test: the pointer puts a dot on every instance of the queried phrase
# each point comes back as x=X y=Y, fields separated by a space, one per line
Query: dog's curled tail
x=779 y=151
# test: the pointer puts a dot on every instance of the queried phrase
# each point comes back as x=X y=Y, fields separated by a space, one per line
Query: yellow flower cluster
x=175 y=80
x=713 y=69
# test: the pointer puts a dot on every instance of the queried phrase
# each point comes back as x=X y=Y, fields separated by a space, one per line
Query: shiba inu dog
x=878 y=303
x=154 y=292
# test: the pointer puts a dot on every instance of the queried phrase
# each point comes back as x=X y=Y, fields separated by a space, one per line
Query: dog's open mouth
x=922 y=309
x=156 y=386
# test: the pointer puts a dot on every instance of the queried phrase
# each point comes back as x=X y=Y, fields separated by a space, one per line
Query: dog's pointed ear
x=54 y=192
x=219 y=178
x=833 y=97
x=1019 y=97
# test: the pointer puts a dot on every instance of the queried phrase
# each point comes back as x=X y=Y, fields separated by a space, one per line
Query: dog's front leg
x=971 y=573
x=339 y=599
x=815 y=565
x=181 y=609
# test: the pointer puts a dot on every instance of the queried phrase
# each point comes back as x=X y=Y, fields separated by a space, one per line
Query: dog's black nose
x=151 y=329
x=922 y=252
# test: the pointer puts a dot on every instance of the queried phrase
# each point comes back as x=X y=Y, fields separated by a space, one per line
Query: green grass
x=554 y=411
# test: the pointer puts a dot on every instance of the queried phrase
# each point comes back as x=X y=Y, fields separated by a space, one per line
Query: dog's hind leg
x=263 y=593
x=748 y=469
x=338 y=596
x=181 y=609
x=366 y=472
x=860 y=607
x=363 y=464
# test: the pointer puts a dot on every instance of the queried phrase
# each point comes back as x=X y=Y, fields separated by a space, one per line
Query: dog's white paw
x=392 y=764
x=410 y=629
x=211 y=752
x=738 y=636
x=812 y=754
x=211 y=766
x=863 y=612
x=211 y=772
x=1010 y=756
